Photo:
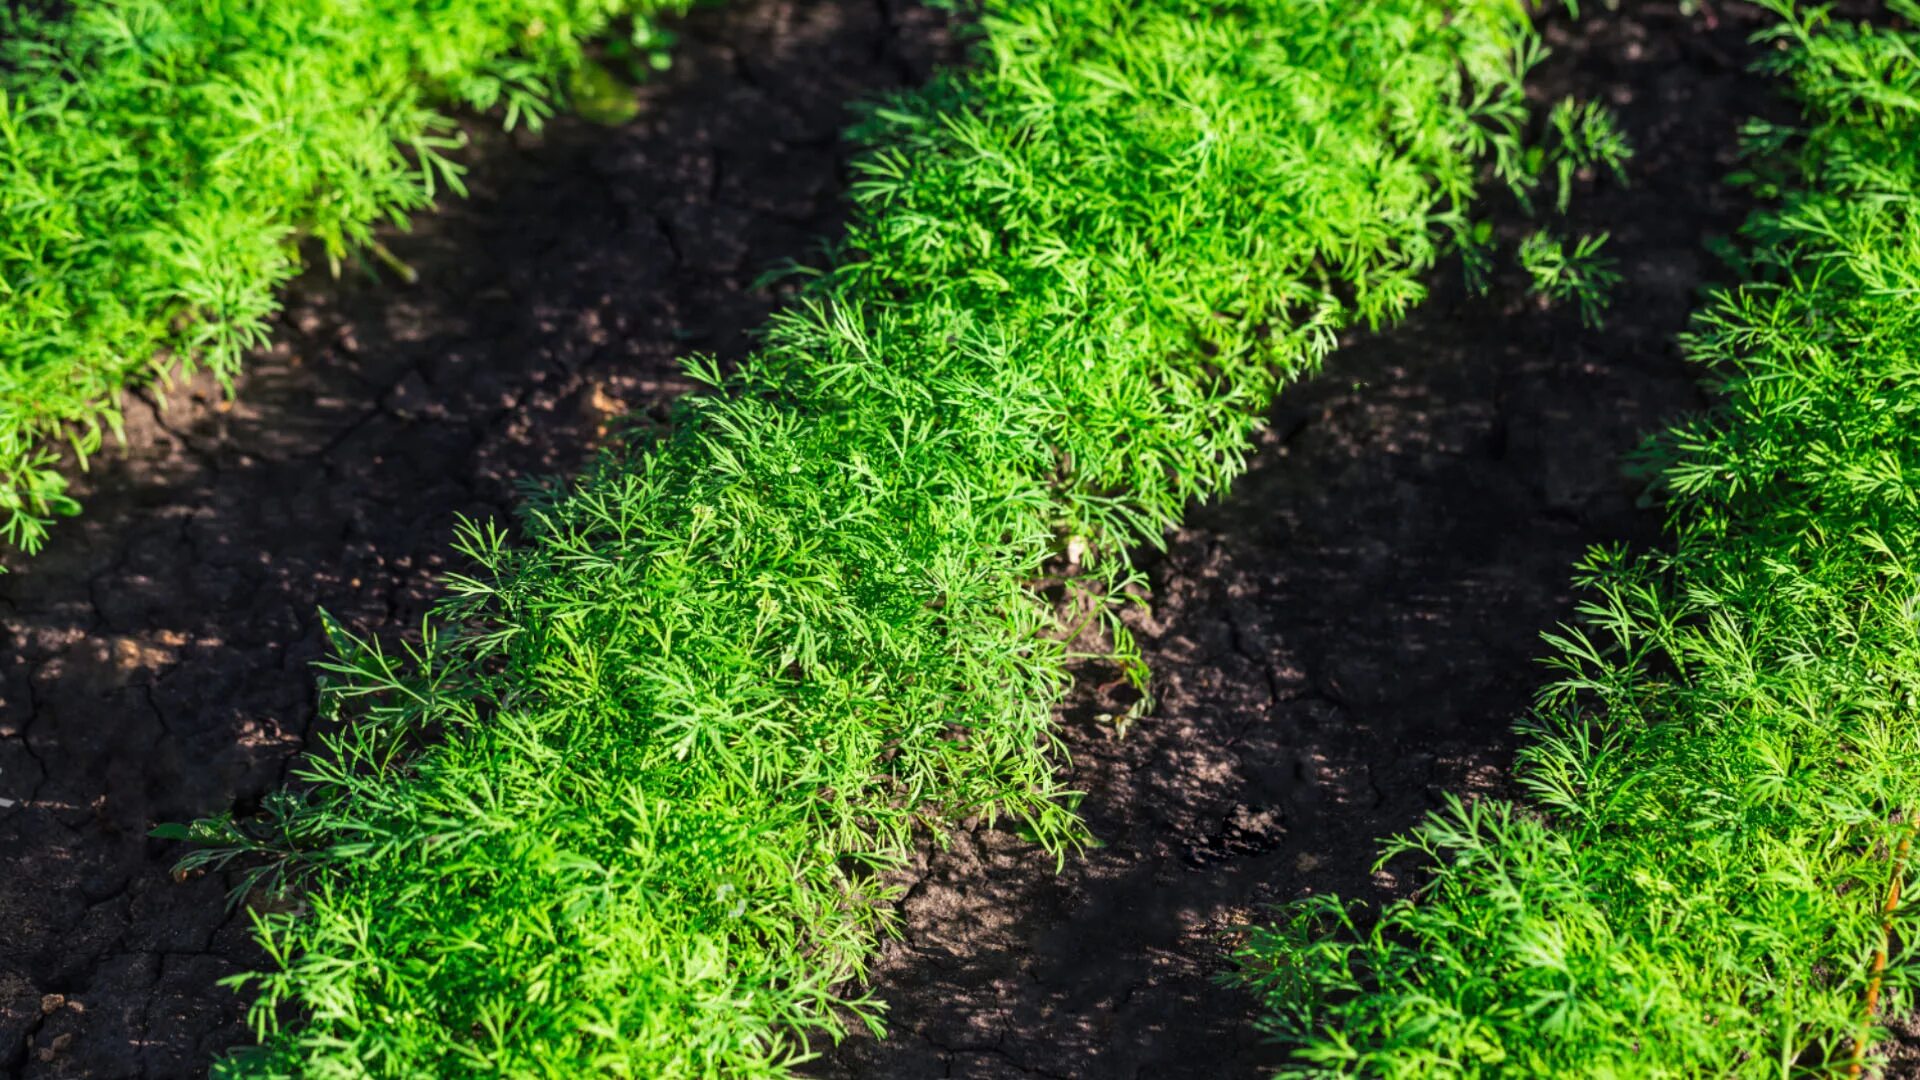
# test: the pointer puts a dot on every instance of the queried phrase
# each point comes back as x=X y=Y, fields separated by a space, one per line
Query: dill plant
x=629 y=806
x=160 y=163
x=1583 y=275
x=1724 y=774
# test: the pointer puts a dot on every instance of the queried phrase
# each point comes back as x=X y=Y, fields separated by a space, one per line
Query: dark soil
x=155 y=664
x=1348 y=636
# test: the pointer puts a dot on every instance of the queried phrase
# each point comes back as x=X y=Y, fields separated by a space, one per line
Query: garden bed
x=1346 y=637
x=156 y=659
x=1338 y=643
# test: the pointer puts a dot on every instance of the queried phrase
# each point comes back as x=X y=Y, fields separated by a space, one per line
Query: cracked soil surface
x=155 y=659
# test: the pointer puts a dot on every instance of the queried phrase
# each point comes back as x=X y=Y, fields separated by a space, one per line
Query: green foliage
x=1583 y=275
x=1725 y=767
x=161 y=161
x=1585 y=138
x=1581 y=138
x=628 y=807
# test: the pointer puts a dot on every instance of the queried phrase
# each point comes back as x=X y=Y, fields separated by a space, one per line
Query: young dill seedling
x=1583 y=275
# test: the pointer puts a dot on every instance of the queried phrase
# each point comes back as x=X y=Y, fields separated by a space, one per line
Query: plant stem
x=1874 y=978
x=407 y=273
